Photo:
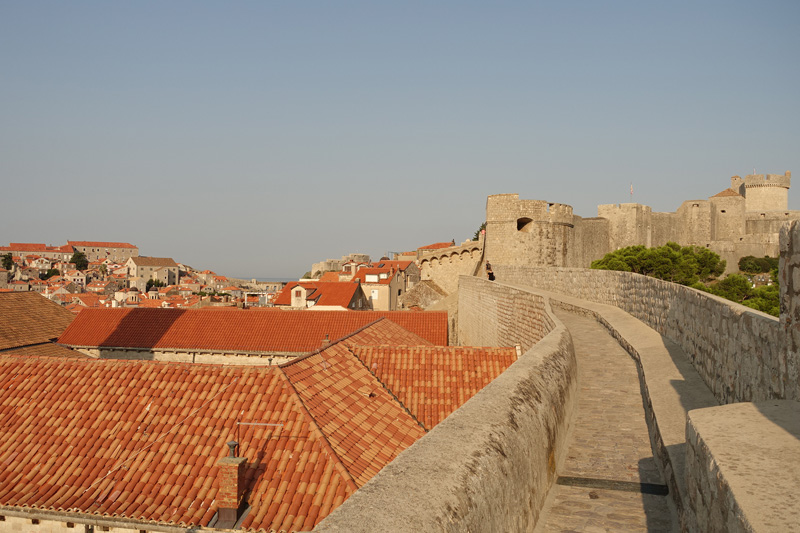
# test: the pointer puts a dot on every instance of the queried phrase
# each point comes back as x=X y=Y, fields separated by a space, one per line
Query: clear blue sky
x=255 y=138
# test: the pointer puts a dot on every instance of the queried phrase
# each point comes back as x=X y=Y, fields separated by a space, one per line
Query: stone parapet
x=743 y=466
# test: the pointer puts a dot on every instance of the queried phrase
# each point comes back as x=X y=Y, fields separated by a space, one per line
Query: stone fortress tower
x=744 y=219
x=761 y=192
x=528 y=232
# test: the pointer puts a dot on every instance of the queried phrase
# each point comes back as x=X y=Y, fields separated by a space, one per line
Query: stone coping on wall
x=486 y=467
x=744 y=466
x=671 y=387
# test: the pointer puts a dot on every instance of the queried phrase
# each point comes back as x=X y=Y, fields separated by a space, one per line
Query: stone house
x=322 y=295
x=77 y=277
x=382 y=286
x=115 y=251
x=163 y=269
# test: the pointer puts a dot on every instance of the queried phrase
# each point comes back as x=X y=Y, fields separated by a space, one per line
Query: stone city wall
x=736 y=350
x=444 y=266
x=501 y=447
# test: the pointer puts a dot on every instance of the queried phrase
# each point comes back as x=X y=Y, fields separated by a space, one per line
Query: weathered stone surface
x=743 y=467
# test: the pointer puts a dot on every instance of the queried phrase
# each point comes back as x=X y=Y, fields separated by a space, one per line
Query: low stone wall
x=742 y=467
x=489 y=465
x=736 y=350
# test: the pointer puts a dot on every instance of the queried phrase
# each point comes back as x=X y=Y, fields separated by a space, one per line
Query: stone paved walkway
x=609 y=443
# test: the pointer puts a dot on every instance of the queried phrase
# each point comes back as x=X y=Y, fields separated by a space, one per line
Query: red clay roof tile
x=114 y=438
x=434 y=381
x=255 y=330
x=29 y=318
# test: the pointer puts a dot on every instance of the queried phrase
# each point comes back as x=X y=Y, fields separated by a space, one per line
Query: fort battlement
x=768 y=180
x=507 y=207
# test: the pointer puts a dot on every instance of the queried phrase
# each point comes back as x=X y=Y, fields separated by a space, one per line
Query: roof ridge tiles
x=338 y=464
x=332 y=343
x=391 y=393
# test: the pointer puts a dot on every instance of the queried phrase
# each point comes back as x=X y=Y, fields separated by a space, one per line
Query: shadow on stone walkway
x=609 y=480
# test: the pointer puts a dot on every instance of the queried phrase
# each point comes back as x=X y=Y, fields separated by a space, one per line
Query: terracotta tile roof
x=94 y=244
x=329 y=277
x=367 y=428
x=141 y=440
x=142 y=260
x=437 y=246
x=726 y=193
x=361 y=275
x=48 y=349
x=322 y=292
x=434 y=381
x=34 y=247
x=29 y=318
x=430 y=325
x=252 y=330
x=397 y=265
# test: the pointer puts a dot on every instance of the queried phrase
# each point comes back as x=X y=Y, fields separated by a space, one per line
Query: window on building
x=524 y=224
x=374 y=294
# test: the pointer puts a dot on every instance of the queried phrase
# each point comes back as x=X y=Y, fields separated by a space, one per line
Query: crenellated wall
x=489 y=465
x=444 y=266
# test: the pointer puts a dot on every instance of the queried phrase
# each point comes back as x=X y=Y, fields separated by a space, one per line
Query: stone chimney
x=231 y=487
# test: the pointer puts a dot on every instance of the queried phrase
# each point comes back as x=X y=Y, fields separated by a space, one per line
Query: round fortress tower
x=527 y=232
x=764 y=192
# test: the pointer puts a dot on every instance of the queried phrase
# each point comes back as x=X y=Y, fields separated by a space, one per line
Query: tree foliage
x=757 y=265
x=477 y=235
x=154 y=283
x=696 y=266
x=50 y=273
x=686 y=265
x=8 y=261
x=79 y=258
x=738 y=288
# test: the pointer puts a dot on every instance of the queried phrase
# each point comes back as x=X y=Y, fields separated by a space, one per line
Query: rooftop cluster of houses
x=115 y=276
x=180 y=419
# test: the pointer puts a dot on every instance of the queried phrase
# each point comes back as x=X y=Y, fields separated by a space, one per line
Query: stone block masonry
x=743 y=467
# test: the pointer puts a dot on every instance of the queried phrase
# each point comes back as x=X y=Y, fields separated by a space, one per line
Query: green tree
x=103 y=269
x=734 y=287
x=672 y=262
x=79 y=258
x=756 y=265
x=154 y=283
x=765 y=299
x=50 y=273
x=477 y=235
x=8 y=261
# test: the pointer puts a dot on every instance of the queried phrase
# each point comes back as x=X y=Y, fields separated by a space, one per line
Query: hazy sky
x=255 y=138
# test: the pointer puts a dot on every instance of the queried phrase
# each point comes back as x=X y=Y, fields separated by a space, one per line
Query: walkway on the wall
x=610 y=480
x=631 y=381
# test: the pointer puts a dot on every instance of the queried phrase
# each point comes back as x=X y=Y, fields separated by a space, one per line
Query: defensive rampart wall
x=444 y=266
x=489 y=465
x=739 y=352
